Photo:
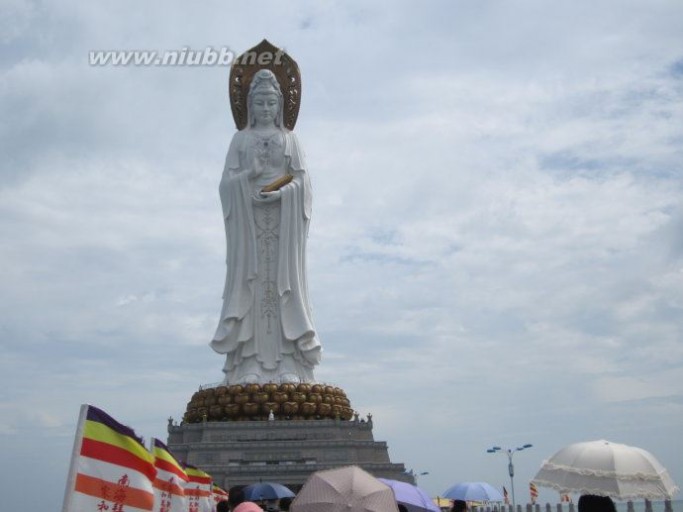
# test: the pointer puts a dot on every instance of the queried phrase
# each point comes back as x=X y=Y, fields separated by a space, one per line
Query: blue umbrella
x=267 y=491
x=473 y=491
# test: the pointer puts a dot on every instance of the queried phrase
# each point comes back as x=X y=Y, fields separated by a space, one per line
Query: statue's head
x=264 y=99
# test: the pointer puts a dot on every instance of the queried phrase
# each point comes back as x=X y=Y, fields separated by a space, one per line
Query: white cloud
x=662 y=384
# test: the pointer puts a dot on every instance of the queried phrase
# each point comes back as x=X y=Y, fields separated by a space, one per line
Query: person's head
x=235 y=496
x=459 y=506
x=248 y=506
x=223 y=506
x=402 y=507
x=593 y=503
x=264 y=99
x=285 y=504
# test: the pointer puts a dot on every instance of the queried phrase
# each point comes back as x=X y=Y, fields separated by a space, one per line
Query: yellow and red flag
x=198 y=489
x=111 y=470
x=169 y=485
x=218 y=494
x=533 y=492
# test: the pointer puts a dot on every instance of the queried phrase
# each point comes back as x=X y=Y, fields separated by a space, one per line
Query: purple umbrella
x=414 y=498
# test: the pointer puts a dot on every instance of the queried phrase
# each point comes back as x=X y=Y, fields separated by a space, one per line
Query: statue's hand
x=256 y=168
x=269 y=197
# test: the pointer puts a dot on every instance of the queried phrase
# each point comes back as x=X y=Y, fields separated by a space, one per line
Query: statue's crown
x=264 y=81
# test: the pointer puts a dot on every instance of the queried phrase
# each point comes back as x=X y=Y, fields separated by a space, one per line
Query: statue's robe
x=266 y=329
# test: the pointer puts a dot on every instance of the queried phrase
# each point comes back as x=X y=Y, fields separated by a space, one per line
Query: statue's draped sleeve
x=292 y=283
x=297 y=166
x=241 y=259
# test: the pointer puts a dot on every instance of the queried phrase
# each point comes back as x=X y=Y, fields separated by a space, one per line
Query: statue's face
x=264 y=107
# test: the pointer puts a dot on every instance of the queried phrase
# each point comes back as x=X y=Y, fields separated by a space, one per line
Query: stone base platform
x=279 y=450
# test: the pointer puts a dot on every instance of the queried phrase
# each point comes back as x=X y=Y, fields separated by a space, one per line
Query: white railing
x=630 y=506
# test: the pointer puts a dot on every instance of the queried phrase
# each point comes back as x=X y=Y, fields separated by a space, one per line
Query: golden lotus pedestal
x=260 y=401
x=279 y=432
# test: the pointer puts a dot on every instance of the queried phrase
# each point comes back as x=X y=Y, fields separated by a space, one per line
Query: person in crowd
x=235 y=496
x=459 y=506
x=285 y=503
x=593 y=503
x=248 y=506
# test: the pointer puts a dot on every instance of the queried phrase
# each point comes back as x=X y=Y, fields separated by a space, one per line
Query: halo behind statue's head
x=286 y=71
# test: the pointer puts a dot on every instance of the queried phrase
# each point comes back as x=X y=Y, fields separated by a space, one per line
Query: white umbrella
x=606 y=469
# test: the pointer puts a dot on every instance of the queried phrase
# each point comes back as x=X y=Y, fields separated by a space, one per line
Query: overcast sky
x=496 y=249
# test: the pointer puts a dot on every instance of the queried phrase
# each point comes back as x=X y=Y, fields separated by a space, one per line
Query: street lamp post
x=511 y=468
x=415 y=475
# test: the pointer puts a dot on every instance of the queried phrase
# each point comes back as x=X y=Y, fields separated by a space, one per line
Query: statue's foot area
x=256 y=401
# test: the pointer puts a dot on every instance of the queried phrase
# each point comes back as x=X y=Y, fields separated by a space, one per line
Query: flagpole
x=78 y=441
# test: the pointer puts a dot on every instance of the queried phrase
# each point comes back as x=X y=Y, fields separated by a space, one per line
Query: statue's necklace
x=264 y=139
x=264 y=142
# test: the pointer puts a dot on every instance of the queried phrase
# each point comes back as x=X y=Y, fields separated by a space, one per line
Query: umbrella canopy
x=267 y=491
x=346 y=489
x=414 y=498
x=609 y=469
x=473 y=491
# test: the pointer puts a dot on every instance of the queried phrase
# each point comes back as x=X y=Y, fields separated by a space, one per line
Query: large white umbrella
x=606 y=469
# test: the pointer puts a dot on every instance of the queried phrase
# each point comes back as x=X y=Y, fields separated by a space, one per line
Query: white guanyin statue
x=266 y=330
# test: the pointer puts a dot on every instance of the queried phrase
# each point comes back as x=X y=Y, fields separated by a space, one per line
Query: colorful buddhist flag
x=111 y=471
x=218 y=494
x=169 y=485
x=533 y=492
x=505 y=496
x=198 y=490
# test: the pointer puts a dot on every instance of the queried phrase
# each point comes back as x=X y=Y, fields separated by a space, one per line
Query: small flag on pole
x=565 y=498
x=111 y=470
x=505 y=496
x=169 y=485
x=533 y=491
x=198 y=490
